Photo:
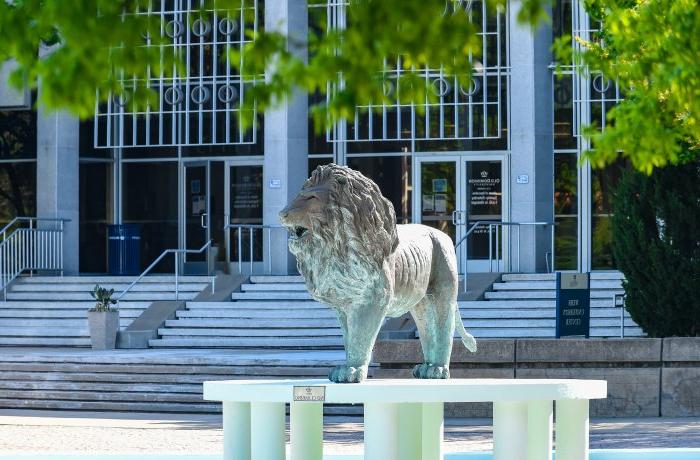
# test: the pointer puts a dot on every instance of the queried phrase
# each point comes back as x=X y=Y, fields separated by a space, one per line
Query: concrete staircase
x=278 y=312
x=269 y=312
x=52 y=311
x=523 y=305
x=144 y=380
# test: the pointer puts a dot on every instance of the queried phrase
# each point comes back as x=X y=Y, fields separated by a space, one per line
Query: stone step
x=551 y=276
x=59 y=296
x=125 y=406
x=168 y=378
x=249 y=342
x=254 y=323
x=516 y=304
x=155 y=407
x=269 y=287
x=549 y=294
x=68 y=305
x=180 y=361
x=276 y=279
x=272 y=333
x=54 y=322
x=118 y=288
x=183 y=279
x=131 y=387
x=498 y=333
x=276 y=296
x=526 y=323
x=543 y=285
x=44 y=331
x=257 y=305
x=102 y=396
x=323 y=313
x=37 y=314
x=534 y=313
x=44 y=341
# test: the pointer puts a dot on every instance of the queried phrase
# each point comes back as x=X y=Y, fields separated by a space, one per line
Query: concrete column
x=57 y=170
x=286 y=135
x=531 y=141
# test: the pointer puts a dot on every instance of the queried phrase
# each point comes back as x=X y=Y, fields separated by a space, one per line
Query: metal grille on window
x=594 y=95
x=473 y=111
x=199 y=107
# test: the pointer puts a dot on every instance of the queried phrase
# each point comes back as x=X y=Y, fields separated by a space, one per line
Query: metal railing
x=496 y=225
x=162 y=256
x=237 y=238
x=30 y=248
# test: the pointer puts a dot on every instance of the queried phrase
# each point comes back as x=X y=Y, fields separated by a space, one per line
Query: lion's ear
x=342 y=180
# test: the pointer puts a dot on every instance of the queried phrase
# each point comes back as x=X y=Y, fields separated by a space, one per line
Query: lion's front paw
x=429 y=371
x=347 y=374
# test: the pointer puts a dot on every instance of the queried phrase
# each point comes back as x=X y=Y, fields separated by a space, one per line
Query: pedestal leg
x=306 y=430
x=433 y=427
x=382 y=431
x=410 y=431
x=420 y=431
x=572 y=429
x=509 y=429
x=267 y=431
x=236 y=419
x=539 y=430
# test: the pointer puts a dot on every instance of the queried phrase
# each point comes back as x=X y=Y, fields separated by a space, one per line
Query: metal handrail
x=252 y=227
x=31 y=221
x=177 y=252
x=30 y=249
x=492 y=224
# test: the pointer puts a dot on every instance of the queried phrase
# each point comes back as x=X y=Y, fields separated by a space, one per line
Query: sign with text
x=310 y=393
x=573 y=304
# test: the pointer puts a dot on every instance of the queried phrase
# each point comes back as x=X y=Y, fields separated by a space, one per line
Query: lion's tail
x=467 y=339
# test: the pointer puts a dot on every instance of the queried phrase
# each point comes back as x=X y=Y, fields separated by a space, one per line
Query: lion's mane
x=353 y=240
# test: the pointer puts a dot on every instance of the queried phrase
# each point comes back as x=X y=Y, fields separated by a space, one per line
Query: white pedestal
x=306 y=430
x=404 y=418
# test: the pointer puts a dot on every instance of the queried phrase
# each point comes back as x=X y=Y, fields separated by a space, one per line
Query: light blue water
x=600 y=454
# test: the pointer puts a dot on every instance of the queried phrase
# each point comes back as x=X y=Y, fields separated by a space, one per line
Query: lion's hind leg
x=435 y=319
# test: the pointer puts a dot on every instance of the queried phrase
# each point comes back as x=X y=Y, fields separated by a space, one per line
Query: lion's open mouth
x=298 y=232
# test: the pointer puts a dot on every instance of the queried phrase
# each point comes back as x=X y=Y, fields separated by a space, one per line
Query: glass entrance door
x=483 y=189
x=197 y=216
x=244 y=234
x=456 y=192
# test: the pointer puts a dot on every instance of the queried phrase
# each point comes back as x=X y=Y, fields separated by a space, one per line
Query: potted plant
x=103 y=319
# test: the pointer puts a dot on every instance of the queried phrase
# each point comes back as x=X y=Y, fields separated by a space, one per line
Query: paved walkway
x=71 y=432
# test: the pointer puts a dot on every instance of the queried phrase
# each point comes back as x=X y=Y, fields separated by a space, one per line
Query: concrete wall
x=57 y=171
x=646 y=377
x=286 y=136
x=531 y=139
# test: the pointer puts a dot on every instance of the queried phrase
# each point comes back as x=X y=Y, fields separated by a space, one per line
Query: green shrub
x=103 y=299
x=656 y=243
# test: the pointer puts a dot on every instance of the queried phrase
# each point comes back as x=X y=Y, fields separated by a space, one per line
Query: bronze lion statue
x=355 y=259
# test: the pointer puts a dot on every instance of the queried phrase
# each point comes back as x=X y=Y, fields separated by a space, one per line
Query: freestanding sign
x=573 y=304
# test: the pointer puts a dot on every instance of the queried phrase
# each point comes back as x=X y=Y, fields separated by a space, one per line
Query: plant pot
x=104 y=326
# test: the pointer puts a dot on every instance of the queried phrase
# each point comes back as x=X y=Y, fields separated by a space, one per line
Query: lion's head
x=339 y=216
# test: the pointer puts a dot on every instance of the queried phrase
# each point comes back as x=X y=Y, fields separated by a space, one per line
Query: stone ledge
x=490 y=351
x=630 y=350
x=682 y=349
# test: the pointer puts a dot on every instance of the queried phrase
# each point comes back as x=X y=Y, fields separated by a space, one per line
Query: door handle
x=454 y=217
x=202 y=220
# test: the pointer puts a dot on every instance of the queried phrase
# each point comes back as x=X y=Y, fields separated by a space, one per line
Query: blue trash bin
x=124 y=253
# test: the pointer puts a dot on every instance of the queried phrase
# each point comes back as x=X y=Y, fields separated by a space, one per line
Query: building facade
x=494 y=165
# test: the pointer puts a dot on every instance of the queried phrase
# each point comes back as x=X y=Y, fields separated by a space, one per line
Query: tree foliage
x=650 y=48
x=91 y=44
x=656 y=243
